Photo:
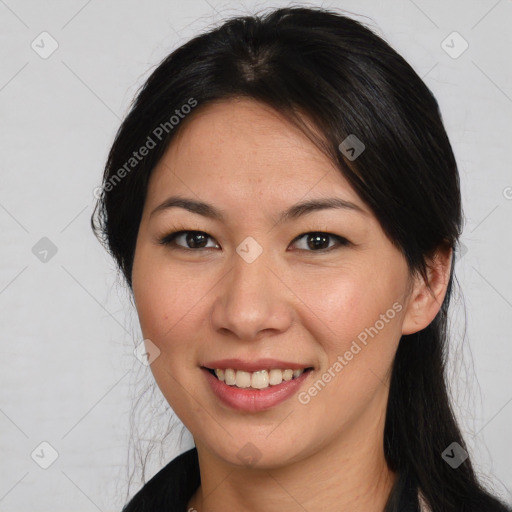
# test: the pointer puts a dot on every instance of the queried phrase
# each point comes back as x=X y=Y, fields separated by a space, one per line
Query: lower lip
x=254 y=400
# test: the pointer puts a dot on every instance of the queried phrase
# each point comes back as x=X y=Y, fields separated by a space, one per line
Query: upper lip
x=254 y=365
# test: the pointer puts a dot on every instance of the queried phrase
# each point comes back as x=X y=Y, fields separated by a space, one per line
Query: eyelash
x=168 y=240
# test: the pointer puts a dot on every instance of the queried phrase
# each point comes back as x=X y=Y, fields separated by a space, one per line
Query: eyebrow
x=295 y=211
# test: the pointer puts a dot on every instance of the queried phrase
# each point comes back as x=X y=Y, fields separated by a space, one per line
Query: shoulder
x=171 y=488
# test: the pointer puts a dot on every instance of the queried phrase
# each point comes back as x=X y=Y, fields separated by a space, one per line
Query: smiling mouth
x=261 y=379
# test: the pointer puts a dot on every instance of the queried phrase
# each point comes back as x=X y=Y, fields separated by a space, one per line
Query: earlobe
x=427 y=297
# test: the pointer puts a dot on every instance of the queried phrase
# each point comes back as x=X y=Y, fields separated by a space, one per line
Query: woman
x=284 y=204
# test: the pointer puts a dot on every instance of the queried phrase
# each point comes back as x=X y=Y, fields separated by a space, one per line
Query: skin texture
x=294 y=302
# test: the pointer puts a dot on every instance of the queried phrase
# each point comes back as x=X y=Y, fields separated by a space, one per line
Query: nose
x=252 y=300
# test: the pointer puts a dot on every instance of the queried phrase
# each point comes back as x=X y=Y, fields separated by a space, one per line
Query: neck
x=350 y=474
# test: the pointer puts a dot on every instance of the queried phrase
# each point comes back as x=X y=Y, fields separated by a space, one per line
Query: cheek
x=170 y=302
x=357 y=320
x=344 y=304
x=155 y=306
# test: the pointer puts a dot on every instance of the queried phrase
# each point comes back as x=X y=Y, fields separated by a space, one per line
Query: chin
x=259 y=452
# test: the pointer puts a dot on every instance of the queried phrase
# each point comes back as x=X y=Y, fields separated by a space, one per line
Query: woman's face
x=257 y=284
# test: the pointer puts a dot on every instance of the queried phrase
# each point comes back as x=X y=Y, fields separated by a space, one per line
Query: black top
x=172 y=487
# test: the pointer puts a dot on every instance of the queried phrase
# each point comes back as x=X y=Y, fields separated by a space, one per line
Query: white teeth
x=243 y=379
x=260 y=379
x=288 y=375
x=275 y=377
x=230 y=376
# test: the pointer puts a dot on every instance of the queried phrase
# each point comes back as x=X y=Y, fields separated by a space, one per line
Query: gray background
x=69 y=376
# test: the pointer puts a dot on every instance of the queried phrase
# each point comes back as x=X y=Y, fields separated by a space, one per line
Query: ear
x=426 y=298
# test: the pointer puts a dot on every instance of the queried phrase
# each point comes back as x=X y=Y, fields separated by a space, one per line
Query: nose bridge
x=252 y=298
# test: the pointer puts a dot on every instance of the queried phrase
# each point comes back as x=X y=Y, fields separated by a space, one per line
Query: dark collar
x=171 y=488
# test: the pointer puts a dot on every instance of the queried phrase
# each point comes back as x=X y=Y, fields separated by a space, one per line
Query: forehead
x=242 y=150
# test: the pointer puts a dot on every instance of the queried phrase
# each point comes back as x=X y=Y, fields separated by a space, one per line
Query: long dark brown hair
x=346 y=80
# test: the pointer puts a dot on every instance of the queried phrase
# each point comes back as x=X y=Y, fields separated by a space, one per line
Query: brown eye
x=196 y=239
x=189 y=240
x=319 y=241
